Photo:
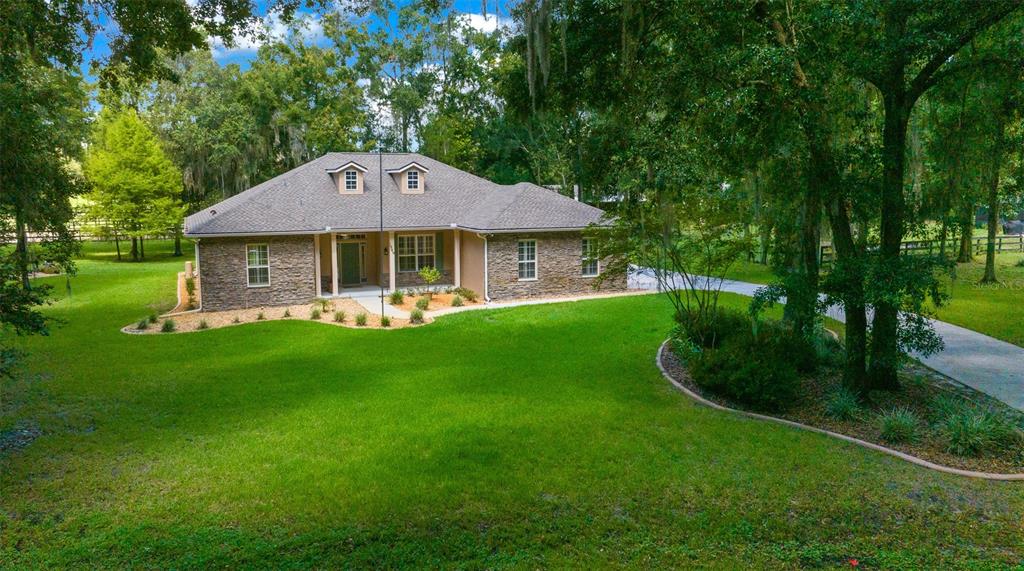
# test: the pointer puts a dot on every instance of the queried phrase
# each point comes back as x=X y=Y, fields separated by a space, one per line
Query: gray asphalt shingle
x=306 y=199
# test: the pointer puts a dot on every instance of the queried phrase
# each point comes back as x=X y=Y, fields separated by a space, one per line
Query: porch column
x=392 y=262
x=316 y=262
x=334 y=264
x=458 y=257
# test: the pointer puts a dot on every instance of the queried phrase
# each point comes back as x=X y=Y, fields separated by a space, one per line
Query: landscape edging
x=878 y=447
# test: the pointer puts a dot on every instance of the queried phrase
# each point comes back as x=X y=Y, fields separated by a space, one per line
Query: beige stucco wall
x=473 y=262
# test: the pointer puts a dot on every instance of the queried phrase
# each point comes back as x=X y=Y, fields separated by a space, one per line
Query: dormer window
x=348 y=177
x=411 y=179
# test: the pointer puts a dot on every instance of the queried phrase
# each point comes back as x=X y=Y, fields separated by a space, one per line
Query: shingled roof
x=306 y=200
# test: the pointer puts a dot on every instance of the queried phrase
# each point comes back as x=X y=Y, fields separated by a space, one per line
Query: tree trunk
x=117 y=245
x=993 y=206
x=885 y=354
x=135 y=249
x=22 y=246
x=177 y=243
x=142 y=247
x=966 y=232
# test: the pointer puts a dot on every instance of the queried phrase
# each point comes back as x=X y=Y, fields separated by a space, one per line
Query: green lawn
x=539 y=436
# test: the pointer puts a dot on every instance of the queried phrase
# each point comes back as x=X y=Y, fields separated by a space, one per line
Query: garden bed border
x=878 y=447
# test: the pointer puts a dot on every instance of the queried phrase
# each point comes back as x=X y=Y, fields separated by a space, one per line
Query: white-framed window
x=351 y=180
x=588 y=258
x=415 y=252
x=527 y=259
x=257 y=265
x=412 y=180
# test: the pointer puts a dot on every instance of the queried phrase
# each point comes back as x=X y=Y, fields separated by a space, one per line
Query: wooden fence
x=979 y=244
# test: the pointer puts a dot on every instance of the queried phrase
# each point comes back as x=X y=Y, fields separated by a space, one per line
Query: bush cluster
x=466 y=294
x=969 y=430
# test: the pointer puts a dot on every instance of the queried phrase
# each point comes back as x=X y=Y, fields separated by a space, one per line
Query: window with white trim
x=527 y=259
x=412 y=180
x=588 y=257
x=257 y=265
x=351 y=180
x=415 y=252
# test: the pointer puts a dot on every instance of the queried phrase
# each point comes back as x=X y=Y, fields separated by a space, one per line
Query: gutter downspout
x=487 y=297
x=196 y=271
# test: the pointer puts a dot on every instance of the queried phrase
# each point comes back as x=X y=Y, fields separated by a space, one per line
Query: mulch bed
x=920 y=386
x=437 y=301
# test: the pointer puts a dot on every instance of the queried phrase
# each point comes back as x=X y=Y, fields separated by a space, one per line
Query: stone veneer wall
x=559 y=267
x=223 y=276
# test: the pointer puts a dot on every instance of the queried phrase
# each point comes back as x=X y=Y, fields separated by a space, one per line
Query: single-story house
x=347 y=222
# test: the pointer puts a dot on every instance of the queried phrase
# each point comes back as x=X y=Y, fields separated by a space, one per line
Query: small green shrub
x=142 y=325
x=466 y=293
x=746 y=372
x=898 y=425
x=203 y=324
x=416 y=315
x=945 y=406
x=457 y=301
x=396 y=297
x=153 y=318
x=325 y=305
x=429 y=275
x=314 y=314
x=970 y=432
x=339 y=316
x=260 y=316
x=190 y=289
x=360 y=319
x=385 y=321
x=422 y=304
x=236 y=320
x=1020 y=263
x=287 y=313
x=168 y=326
x=842 y=404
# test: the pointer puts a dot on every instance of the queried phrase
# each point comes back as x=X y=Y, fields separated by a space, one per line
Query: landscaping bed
x=927 y=398
x=411 y=300
x=340 y=312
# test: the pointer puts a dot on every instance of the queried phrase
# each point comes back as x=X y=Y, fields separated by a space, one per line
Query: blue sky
x=245 y=50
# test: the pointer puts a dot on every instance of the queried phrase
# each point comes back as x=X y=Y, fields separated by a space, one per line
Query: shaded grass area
x=996 y=310
x=526 y=437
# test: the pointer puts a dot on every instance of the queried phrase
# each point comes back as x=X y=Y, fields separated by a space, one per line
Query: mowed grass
x=997 y=310
x=540 y=436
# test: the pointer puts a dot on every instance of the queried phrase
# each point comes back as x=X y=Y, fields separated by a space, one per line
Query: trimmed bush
x=142 y=325
x=339 y=316
x=422 y=304
x=203 y=324
x=842 y=404
x=385 y=321
x=396 y=297
x=416 y=316
x=457 y=301
x=749 y=373
x=260 y=316
x=466 y=293
x=360 y=319
x=315 y=314
x=898 y=425
x=153 y=318
x=168 y=326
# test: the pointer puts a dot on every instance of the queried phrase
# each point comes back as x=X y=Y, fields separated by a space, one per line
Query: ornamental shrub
x=466 y=293
x=339 y=316
x=360 y=319
x=457 y=301
x=416 y=316
x=287 y=313
x=429 y=275
x=236 y=320
x=898 y=425
x=153 y=318
x=970 y=432
x=385 y=321
x=396 y=297
x=142 y=325
x=842 y=404
x=747 y=372
x=168 y=326
x=422 y=304
x=314 y=314
x=203 y=324
x=260 y=316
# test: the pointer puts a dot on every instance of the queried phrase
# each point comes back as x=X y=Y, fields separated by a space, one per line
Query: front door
x=351 y=264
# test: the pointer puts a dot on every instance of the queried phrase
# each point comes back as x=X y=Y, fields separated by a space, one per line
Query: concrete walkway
x=989 y=365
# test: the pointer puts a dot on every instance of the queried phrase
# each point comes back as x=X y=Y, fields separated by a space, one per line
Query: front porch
x=351 y=264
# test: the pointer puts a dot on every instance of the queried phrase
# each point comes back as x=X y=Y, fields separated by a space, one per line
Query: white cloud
x=310 y=29
x=486 y=23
